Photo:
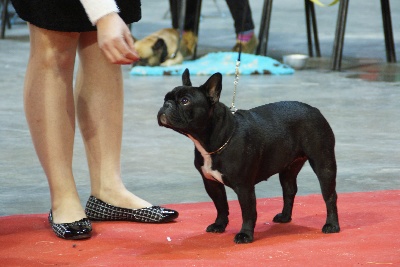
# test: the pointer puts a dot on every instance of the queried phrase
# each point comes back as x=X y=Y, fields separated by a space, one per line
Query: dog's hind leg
x=325 y=168
x=288 y=180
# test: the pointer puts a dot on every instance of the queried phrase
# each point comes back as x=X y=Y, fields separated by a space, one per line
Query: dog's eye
x=185 y=101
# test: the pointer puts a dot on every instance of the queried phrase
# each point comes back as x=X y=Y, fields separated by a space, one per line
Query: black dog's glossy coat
x=250 y=146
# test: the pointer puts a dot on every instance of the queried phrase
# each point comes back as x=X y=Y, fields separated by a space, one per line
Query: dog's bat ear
x=213 y=87
x=186 y=78
x=161 y=49
x=158 y=45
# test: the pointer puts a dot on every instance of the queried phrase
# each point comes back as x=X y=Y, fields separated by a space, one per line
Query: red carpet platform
x=369 y=237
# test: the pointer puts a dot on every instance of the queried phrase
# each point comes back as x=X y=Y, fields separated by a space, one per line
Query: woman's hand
x=115 y=40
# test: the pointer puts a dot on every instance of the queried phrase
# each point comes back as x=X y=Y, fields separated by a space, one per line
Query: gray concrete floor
x=361 y=102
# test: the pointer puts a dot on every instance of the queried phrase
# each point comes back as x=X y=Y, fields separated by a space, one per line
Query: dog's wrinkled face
x=152 y=51
x=187 y=109
x=160 y=48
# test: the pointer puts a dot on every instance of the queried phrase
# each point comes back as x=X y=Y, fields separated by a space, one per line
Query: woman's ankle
x=66 y=210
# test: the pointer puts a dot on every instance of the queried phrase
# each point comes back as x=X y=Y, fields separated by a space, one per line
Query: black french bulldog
x=242 y=149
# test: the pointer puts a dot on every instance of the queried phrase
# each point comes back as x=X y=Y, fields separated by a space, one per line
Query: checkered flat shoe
x=99 y=210
x=76 y=230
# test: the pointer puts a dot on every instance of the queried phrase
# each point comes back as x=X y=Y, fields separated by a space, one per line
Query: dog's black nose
x=140 y=62
x=163 y=119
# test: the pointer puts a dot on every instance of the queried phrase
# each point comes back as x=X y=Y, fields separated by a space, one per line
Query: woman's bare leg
x=49 y=109
x=99 y=100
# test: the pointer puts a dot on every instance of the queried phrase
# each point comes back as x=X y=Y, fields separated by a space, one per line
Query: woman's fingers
x=115 y=40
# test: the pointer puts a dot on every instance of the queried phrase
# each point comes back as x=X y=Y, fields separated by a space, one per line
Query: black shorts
x=69 y=15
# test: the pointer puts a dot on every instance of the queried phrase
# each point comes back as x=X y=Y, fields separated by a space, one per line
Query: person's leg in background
x=189 y=36
x=241 y=13
x=189 y=24
x=244 y=25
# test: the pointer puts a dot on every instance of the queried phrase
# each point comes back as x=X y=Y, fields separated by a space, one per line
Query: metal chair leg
x=264 y=28
x=196 y=25
x=339 y=35
x=311 y=22
x=388 y=31
x=4 y=18
x=266 y=20
x=315 y=29
x=308 y=27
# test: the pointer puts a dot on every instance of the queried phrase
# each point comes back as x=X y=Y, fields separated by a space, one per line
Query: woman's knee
x=53 y=49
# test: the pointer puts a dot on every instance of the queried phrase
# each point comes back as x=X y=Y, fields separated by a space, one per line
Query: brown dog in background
x=158 y=48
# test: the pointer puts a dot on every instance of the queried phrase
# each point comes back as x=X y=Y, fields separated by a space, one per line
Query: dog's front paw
x=330 y=228
x=216 y=228
x=280 y=218
x=242 y=238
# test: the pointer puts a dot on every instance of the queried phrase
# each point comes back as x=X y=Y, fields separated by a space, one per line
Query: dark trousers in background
x=240 y=11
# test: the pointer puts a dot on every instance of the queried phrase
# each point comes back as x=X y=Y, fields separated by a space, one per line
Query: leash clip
x=233 y=109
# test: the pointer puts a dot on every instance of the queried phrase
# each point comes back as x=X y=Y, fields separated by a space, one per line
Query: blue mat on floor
x=223 y=62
